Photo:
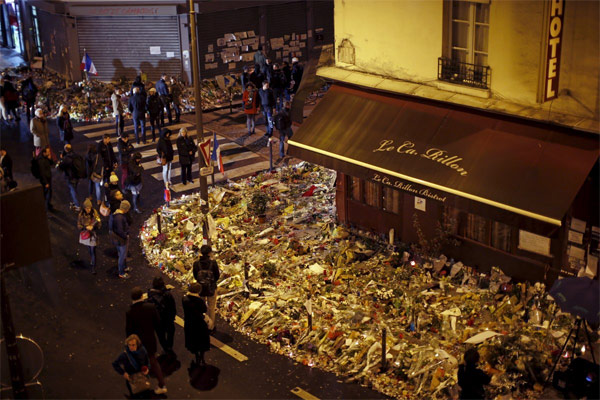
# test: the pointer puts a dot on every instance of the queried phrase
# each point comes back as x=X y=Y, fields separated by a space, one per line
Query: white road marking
x=303 y=394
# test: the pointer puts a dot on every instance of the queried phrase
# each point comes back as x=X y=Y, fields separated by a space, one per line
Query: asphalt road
x=78 y=319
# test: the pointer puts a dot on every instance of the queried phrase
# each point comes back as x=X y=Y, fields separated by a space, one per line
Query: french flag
x=216 y=154
x=87 y=65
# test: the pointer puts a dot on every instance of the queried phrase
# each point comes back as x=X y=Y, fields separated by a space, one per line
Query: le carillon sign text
x=557 y=8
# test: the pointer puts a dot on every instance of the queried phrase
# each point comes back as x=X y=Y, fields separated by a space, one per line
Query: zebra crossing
x=238 y=161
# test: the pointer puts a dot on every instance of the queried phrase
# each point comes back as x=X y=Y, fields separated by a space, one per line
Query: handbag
x=159 y=160
x=139 y=383
x=96 y=177
x=84 y=234
x=104 y=210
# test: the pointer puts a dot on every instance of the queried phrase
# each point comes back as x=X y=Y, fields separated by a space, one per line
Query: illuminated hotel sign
x=557 y=8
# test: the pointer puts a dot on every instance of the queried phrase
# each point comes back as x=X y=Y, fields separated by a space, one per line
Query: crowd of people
x=152 y=315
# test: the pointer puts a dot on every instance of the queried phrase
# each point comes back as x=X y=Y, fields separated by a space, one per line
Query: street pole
x=199 y=125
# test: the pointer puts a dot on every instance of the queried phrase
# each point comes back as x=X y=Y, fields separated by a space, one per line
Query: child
x=167 y=194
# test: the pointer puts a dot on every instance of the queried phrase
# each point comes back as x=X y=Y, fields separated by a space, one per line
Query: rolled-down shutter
x=121 y=46
x=286 y=19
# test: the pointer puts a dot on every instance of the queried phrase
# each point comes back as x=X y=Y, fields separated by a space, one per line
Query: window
x=372 y=193
x=354 y=188
x=501 y=236
x=36 y=31
x=478 y=228
x=469 y=32
x=391 y=200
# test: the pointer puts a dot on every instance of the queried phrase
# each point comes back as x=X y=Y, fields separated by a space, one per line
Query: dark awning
x=432 y=149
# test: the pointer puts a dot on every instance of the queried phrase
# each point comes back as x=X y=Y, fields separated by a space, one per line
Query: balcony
x=472 y=75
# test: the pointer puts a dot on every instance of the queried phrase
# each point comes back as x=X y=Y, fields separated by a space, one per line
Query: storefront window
x=391 y=200
x=451 y=218
x=36 y=31
x=372 y=193
x=477 y=228
x=354 y=188
x=501 y=236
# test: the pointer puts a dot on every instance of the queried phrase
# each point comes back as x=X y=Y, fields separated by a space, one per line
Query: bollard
x=158 y=222
x=270 y=155
x=383 y=350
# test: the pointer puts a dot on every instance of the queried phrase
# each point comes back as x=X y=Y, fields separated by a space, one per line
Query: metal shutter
x=323 y=18
x=215 y=25
x=120 y=46
x=285 y=19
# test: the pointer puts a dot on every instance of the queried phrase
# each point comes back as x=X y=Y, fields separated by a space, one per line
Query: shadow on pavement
x=168 y=364
x=203 y=377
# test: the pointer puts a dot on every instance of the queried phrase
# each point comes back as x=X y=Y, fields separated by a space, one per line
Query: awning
x=433 y=149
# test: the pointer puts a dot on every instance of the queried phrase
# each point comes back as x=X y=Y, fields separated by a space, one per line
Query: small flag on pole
x=205 y=150
x=216 y=154
x=87 y=65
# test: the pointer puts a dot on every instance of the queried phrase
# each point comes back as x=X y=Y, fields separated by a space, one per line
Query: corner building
x=478 y=116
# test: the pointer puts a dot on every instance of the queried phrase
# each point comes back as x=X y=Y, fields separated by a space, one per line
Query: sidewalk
x=10 y=58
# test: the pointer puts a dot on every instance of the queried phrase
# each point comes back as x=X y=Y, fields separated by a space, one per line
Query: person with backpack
x=29 y=93
x=164 y=302
x=283 y=123
x=134 y=179
x=153 y=105
x=206 y=272
x=65 y=127
x=197 y=334
x=39 y=129
x=250 y=100
x=41 y=168
x=88 y=223
x=125 y=151
x=93 y=166
x=73 y=166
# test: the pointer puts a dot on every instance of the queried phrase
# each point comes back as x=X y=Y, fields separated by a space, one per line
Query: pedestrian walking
x=261 y=60
x=134 y=180
x=64 y=124
x=283 y=123
x=11 y=98
x=244 y=78
x=160 y=295
x=197 y=334
x=164 y=149
x=120 y=236
x=470 y=378
x=176 y=90
x=206 y=272
x=267 y=102
x=29 y=93
x=187 y=153
x=88 y=223
x=154 y=107
x=39 y=129
x=278 y=84
x=125 y=151
x=73 y=167
x=118 y=112
x=133 y=363
x=44 y=174
x=137 y=107
x=256 y=77
x=93 y=165
x=107 y=155
x=165 y=98
x=287 y=72
x=143 y=320
x=297 y=72
x=251 y=101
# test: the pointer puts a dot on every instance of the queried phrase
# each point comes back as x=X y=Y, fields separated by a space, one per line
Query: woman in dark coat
x=65 y=127
x=164 y=149
x=187 y=151
x=197 y=336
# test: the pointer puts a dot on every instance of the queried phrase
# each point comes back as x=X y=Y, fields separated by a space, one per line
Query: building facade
x=125 y=37
x=475 y=121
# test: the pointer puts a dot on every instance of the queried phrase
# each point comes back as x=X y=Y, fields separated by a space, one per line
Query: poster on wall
x=534 y=243
x=154 y=49
x=420 y=204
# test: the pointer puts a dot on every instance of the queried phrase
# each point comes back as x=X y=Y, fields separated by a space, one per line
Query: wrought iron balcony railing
x=463 y=73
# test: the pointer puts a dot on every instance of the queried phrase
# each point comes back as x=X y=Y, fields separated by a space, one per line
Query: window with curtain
x=391 y=200
x=501 y=236
x=372 y=193
x=470 y=23
x=451 y=220
x=477 y=228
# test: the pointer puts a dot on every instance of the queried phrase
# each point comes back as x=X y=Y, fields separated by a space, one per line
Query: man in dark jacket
x=154 y=106
x=164 y=148
x=137 y=83
x=207 y=262
x=287 y=72
x=45 y=164
x=297 y=72
x=187 y=151
x=125 y=151
x=137 y=107
x=267 y=102
x=29 y=93
x=164 y=302
x=134 y=179
x=470 y=378
x=69 y=163
x=120 y=237
x=256 y=76
x=143 y=320
x=107 y=154
x=244 y=78
x=163 y=92
x=283 y=123
x=278 y=84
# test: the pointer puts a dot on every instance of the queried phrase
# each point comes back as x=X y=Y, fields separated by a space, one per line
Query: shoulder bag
x=104 y=210
x=96 y=177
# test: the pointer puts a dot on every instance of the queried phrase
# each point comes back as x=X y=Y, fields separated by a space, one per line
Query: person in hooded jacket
x=187 y=153
x=164 y=149
x=134 y=359
x=197 y=335
x=153 y=105
x=134 y=179
x=164 y=302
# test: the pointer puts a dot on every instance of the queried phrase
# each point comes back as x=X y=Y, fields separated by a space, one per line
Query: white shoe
x=160 y=390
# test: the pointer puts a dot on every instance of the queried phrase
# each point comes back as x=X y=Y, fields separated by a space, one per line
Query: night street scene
x=300 y=199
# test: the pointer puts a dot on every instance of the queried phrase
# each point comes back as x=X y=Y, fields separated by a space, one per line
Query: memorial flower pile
x=349 y=302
